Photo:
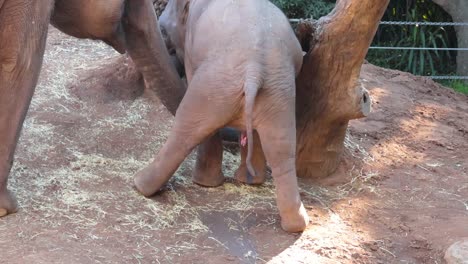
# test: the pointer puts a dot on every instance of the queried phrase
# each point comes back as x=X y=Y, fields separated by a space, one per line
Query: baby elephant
x=241 y=59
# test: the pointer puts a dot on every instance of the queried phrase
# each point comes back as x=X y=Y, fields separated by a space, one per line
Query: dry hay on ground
x=399 y=196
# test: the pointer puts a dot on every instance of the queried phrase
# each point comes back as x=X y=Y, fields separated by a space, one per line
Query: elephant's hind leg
x=23 y=30
x=208 y=168
x=278 y=136
x=198 y=117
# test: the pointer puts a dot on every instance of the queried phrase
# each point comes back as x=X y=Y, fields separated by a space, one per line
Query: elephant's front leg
x=208 y=168
x=258 y=163
x=23 y=31
x=148 y=50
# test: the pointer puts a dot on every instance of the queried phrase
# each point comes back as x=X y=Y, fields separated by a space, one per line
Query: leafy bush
x=420 y=62
x=305 y=8
x=457 y=85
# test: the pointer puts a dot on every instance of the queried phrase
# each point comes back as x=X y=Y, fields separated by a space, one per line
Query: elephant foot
x=295 y=222
x=243 y=175
x=207 y=178
x=147 y=182
x=208 y=172
x=8 y=204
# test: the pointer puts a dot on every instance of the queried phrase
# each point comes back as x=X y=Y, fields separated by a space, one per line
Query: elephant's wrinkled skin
x=127 y=25
x=241 y=59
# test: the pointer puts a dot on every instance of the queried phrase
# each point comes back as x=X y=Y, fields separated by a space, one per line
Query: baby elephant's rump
x=241 y=58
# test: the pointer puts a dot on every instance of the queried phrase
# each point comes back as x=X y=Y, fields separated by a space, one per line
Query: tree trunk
x=458 y=9
x=328 y=90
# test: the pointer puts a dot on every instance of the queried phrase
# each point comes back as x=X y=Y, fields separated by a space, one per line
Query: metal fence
x=407 y=23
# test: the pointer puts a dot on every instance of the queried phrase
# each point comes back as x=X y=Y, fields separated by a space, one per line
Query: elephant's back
x=243 y=30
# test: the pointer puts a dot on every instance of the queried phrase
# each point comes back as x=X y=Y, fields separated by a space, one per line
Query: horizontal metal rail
x=418 y=48
x=448 y=77
x=409 y=23
x=295 y=20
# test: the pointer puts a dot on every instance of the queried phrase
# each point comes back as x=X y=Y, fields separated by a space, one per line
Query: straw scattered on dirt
x=400 y=194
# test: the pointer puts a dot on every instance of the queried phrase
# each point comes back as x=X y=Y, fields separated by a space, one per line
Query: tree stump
x=328 y=90
x=457 y=253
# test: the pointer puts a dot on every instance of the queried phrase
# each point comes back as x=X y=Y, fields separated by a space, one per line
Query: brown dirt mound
x=115 y=79
x=401 y=194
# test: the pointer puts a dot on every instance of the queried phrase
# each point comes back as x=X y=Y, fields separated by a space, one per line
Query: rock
x=457 y=253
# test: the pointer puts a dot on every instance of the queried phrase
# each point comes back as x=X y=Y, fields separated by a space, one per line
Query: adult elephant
x=127 y=25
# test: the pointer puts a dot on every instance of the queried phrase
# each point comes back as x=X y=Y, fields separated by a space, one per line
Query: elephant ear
x=185 y=12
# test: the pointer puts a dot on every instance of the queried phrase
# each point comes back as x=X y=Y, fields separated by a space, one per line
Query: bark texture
x=458 y=9
x=328 y=90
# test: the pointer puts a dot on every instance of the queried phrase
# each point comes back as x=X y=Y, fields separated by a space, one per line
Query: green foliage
x=420 y=62
x=457 y=85
x=305 y=8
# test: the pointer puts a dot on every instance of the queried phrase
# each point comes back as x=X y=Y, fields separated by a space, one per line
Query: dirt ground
x=400 y=195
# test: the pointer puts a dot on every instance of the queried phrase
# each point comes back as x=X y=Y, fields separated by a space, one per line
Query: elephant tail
x=252 y=85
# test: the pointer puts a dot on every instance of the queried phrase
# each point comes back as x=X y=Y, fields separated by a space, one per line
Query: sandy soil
x=400 y=195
